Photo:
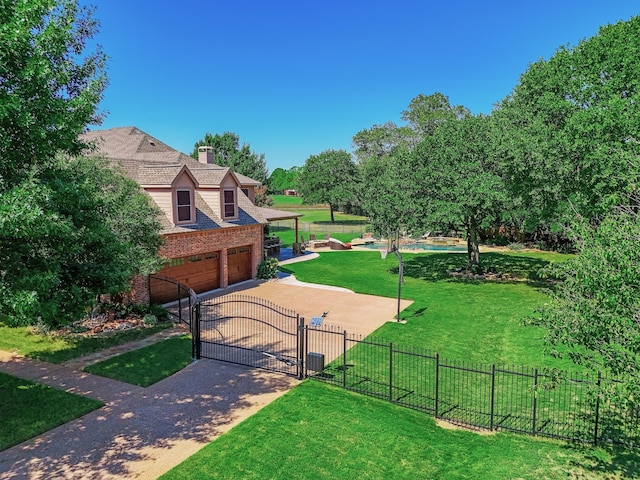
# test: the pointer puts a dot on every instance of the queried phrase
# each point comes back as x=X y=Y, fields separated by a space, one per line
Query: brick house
x=213 y=232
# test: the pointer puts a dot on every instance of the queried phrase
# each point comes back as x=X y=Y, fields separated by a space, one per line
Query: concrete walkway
x=140 y=432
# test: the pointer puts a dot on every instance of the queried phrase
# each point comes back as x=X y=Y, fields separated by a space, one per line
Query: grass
x=319 y=431
x=316 y=220
x=58 y=349
x=28 y=409
x=477 y=321
x=148 y=365
x=288 y=235
x=280 y=201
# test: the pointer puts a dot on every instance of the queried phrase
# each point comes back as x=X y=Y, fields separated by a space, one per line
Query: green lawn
x=477 y=321
x=28 y=409
x=281 y=201
x=148 y=365
x=317 y=431
x=316 y=220
x=58 y=349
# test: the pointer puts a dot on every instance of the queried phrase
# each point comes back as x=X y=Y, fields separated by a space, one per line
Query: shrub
x=268 y=268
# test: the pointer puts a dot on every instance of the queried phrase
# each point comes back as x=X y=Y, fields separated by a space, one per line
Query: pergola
x=273 y=215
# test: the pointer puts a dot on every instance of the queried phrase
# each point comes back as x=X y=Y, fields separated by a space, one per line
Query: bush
x=150 y=320
x=268 y=268
x=160 y=313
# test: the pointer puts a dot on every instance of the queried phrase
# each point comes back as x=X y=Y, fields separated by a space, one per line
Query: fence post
x=300 y=347
x=595 y=430
x=493 y=390
x=437 y=381
x=190 y=311
x=535 y=401
x=306 y=346
x=344 y=360
x=391 y=372
x=195 y=334
x=179 y=303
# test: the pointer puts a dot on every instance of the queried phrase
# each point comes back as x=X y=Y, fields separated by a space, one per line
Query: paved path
x=140 y=432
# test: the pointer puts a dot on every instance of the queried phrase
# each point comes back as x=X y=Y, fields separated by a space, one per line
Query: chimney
x=205 y=154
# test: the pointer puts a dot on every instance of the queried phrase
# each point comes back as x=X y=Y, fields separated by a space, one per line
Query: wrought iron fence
x=509 y=398
x=178 y=299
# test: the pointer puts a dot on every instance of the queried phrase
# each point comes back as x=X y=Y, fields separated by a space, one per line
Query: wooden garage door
x=199 y=272
x=239 y=264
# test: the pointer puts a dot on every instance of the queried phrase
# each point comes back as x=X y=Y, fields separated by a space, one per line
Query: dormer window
x=229 y=203
x=184 y=206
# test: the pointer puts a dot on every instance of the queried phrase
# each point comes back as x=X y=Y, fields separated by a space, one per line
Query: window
x=183 y=200
x=229 y=206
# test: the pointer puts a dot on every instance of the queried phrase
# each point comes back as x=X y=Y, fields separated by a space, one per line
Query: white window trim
x=192 y=210
x=235 y=204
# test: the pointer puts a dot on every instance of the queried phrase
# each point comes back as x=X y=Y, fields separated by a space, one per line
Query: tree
x=69 y=228
x=228 y=153
x=593 y=315
x=330 y=177
x=281 y=180
x=49 y=91
x=77 y=230
x=452 y=179
x=427 y=112
x=571 y=128
x=380 y=141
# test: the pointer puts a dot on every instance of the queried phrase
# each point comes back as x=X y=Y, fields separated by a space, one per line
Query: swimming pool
x=430 y=247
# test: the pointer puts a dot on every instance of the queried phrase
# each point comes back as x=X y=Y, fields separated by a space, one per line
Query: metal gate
x=249 y=331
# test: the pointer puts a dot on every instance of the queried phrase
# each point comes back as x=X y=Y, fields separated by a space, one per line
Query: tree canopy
x=593 y=315
x=330 y=177
x=229 y=153
x=572 y=126
x=49 y=86
x=281 y=179
x=455 y=181
x=70 y=228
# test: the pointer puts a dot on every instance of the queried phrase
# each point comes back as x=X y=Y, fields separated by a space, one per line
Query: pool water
x=430 y=247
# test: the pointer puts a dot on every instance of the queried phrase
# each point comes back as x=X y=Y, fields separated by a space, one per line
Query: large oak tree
x=331 y=177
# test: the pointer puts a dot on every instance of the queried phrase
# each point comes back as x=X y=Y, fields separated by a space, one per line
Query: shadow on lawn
x=623 y=463
x=505 y=268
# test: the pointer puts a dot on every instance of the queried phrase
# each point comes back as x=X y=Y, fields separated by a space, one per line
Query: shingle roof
x=136 y=151
x=150 y=162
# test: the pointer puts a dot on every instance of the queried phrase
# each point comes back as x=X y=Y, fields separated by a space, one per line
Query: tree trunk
x=331 y=210
x=473 y=248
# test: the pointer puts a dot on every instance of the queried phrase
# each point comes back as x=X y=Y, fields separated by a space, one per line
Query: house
x=213 y=232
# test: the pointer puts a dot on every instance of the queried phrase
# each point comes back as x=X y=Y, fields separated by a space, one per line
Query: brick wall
x=192 y=243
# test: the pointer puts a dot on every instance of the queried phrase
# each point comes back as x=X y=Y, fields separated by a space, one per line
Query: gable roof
x=137 y=153
x=153 y=164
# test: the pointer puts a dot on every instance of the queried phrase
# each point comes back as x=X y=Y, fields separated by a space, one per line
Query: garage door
x=199 y=272
x=239 y=264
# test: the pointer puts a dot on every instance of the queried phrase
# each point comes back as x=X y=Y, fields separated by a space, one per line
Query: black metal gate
x=249 y=331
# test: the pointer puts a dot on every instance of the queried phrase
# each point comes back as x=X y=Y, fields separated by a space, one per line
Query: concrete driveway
x=353 y=312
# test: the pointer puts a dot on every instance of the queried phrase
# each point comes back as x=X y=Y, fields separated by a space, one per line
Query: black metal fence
x=178 y=299
x=509 y=398
x=249 y=331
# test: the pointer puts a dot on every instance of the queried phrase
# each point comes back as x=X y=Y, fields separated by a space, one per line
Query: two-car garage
x=201 y=272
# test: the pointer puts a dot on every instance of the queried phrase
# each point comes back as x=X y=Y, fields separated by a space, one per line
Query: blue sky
x=295 y=78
